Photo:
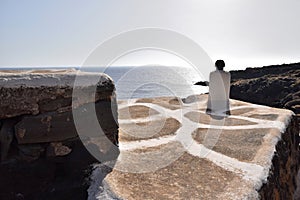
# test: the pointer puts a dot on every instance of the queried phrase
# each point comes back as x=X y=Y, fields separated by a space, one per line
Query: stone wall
x=282 y=179
x=42 y=155
x=276 y=86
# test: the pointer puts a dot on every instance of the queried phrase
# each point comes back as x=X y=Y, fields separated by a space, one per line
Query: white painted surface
x=253 y=173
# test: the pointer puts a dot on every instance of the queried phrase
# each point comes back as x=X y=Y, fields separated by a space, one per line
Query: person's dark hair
x=220 y=64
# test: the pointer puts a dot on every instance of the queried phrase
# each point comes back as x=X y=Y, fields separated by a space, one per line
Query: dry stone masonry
x=38 y=131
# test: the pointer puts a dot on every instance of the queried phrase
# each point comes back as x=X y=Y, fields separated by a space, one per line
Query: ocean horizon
x=144 y=81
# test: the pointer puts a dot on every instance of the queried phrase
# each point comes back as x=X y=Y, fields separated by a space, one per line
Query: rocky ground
x=276 y=86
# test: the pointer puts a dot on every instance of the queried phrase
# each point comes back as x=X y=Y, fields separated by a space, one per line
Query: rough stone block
x=55 y=126
x=34 y=92
x=6 y=136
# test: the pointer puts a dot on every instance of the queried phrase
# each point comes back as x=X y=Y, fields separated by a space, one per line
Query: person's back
x=219 y=86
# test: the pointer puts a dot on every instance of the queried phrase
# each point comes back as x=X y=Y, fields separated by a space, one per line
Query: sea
x=146 y=81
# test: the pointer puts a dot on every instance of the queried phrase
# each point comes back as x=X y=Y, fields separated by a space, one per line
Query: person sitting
x=219 y=88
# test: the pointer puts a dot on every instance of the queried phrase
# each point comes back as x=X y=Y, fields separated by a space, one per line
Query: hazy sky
x=64 y=32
